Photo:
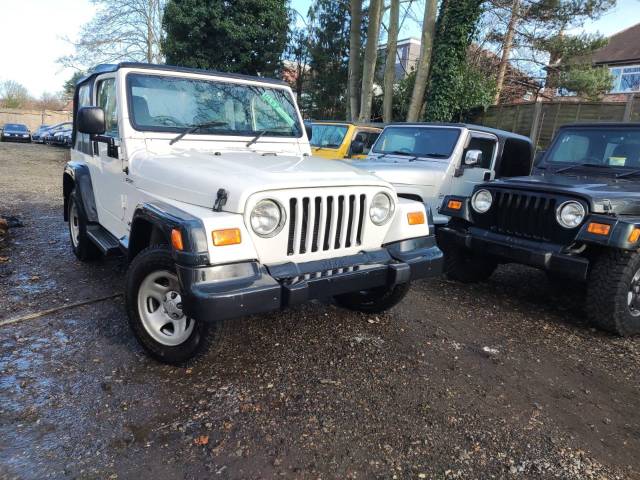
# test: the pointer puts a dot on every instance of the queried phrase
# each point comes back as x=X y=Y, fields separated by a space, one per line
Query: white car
x=205 y=182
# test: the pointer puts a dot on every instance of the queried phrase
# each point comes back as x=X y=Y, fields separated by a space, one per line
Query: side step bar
x=106 y=243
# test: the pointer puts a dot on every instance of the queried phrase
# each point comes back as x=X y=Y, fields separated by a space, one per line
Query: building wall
x=33 y=118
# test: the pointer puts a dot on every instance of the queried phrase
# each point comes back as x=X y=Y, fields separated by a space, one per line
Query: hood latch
x=221 y=200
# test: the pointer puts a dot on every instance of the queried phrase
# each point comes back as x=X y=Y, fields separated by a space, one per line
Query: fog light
x=415 y=218
x=599 y=228
x=229 y=236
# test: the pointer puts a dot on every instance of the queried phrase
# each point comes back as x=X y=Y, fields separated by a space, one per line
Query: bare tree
x=390 y=62
x=370 y=58
x=424 y=60
x=14 y=94
x=50 y=101
x=354 y=59
x=121 y=30
x=507 y=44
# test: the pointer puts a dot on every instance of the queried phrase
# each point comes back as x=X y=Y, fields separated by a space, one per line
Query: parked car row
x=209 y=186
x=58 y=134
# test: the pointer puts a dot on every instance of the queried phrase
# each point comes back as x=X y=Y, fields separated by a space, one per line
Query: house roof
x=623 y=47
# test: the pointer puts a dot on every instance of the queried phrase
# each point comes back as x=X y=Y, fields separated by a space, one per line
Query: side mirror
x=91 y=120
x=473 y=157
x=357 y=147
x=309 y=130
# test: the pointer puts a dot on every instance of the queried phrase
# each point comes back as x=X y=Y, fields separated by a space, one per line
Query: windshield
x=327 y=136
x=171 y=104
x=417 y=141
x=603 y=147
x=15 y=127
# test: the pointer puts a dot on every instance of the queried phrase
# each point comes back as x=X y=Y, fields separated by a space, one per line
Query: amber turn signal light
x=634 y=236
x=599 y=228
x=415 y=218
x=229 y=236
x=454 y=204
x=176 y=239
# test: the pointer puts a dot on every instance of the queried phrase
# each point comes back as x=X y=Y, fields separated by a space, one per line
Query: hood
x=398 y=171
x=623 y=195
x=194 y=177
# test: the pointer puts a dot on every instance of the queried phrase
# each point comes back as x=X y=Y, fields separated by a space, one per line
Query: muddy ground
x=497 y=380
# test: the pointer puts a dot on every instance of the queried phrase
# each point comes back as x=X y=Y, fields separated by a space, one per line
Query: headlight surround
x=481 y=201
x=381 y=208
x=570 y=214
x=267 y=218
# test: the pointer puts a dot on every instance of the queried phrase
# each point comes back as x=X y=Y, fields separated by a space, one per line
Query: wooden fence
x=539 y=121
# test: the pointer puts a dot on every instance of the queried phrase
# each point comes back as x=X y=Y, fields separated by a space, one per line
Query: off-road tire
x=149 y=260
x=84 y=249
x=465 y=266
x=375 y=300
x=607 y=289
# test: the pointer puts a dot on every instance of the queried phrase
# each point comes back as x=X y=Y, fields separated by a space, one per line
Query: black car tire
x=83 y=248
x=465 y=266
x=375 y=300
x=608 y=288
x=153 y=259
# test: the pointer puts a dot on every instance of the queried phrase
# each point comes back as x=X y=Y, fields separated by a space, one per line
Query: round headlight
x=570 y=214
x=481 y=201
x=267 y=218
x=381 y=208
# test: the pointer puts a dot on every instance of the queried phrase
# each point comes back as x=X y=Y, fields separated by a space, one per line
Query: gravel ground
x=497 y=380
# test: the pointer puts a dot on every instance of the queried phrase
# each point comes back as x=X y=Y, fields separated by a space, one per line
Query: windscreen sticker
x=273 y=103
x=617 y=161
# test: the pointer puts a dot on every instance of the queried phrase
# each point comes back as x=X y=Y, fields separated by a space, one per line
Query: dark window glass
x=486 y=146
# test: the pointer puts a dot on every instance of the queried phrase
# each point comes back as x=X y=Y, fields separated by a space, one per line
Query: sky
x=32 y=34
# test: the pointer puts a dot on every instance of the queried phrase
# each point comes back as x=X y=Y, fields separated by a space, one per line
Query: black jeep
x=577 y=216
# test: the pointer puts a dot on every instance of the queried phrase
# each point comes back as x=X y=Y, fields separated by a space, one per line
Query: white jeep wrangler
x=205 y=182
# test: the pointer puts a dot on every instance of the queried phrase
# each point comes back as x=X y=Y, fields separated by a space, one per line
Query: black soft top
x=109 y=67
x=596 y=125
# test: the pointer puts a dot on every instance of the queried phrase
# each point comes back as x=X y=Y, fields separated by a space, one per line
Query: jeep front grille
x=318 y=223
x=527 y=215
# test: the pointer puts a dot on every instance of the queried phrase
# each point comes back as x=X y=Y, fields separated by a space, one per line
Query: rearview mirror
x=357 y=147
x=91 y=120
x=473 y=157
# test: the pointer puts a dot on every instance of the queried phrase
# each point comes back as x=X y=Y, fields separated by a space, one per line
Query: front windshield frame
x=616 y=130
x=376 y=148
x=209 y=132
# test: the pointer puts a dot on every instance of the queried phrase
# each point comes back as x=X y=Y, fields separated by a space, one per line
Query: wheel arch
x=77 y=176
x=152 y=224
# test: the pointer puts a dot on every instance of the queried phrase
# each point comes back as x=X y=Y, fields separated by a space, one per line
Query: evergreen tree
x=329 y=48
x=242 y=36
x=454 y=31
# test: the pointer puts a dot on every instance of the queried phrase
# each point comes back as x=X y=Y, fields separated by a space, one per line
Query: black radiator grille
x=325 y=223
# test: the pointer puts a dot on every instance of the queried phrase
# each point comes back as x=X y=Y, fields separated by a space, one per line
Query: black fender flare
x=160 y=218
x=76 y=175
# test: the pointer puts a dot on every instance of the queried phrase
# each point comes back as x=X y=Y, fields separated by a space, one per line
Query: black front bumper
x=228 y=291
x=546 y=256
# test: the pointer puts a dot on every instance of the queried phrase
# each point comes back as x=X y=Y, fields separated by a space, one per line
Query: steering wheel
x=168 y=121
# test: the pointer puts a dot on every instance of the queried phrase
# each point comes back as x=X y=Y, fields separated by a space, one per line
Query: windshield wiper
x=256 y=138
x=575 y=165
x=628 y=174
x=195 y=128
